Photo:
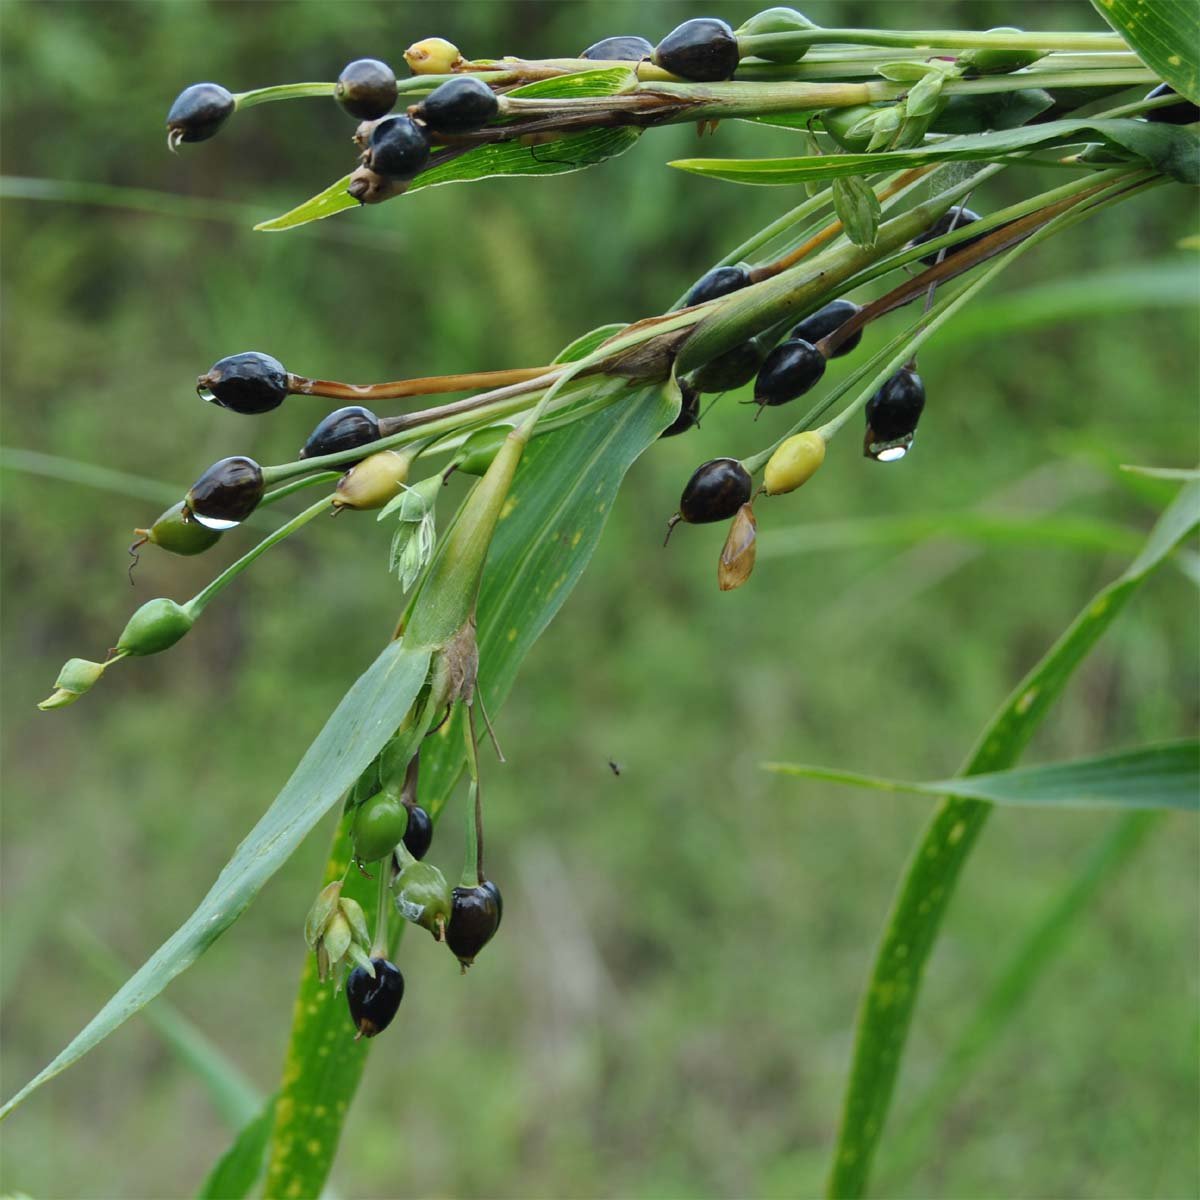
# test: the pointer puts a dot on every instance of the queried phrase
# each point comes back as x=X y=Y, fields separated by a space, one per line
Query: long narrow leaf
x=353 y=735
x=239 y=1169
x=938 y=860
x=1165 y=34
x=1172 y=149
x=1156 y=777
x=1016 y=980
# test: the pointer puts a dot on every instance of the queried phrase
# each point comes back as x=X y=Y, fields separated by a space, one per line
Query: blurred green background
x=669 y=1009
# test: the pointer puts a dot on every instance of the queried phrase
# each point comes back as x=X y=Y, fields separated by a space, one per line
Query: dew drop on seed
x=207 y=394
x=893 y=451
x=217 y=523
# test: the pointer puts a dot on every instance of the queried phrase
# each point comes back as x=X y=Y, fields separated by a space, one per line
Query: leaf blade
x=1165 y=36
x=933 y=870
x=350 y=739
x=1154 y=777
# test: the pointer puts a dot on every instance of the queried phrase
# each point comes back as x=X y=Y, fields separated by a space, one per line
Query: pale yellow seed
x=433 y=56
x=794 y=463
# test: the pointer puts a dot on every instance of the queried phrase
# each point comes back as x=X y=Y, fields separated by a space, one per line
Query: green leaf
x=857 y=207
x=1013 y=984
x=334 y=199
x=937 y=861
x=1165 y=34
x=231 y=1092
x=1155 y=777
x=1182 y=474
x=582 y=346
x=572 y=152
x=366 y=717
x=560 y=498
x=1174 y=149
x=239 y=1169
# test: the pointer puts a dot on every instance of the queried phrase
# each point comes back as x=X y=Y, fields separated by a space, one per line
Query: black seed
x=474 y=918
x=343 y=429
x=373 y=1002
x=199 y=111
x=366 y=89
x=419 y=834
x=894 y=410
x=957 y=216
x=732 y=369
x=825 y=320
x=703 y=49
x=228 y=492
x=246 y=383
x=459 y=105
x=720 y=281
x=398 y=148
x=620 y=49
x=790 y=370
x=716 y=490
x=689 y=411
x=1183 y=113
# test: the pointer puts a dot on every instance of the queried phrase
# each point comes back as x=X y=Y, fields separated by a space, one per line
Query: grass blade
x=353 y=735
x=1015 y=982
x=231 y=1092
x=239 y=1169
x=933 y=871
x=1166 y=36
x=1156 y=777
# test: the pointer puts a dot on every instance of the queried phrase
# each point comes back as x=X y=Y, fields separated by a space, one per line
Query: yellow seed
x=373 y=482
x=433 y=56
x=794 y=463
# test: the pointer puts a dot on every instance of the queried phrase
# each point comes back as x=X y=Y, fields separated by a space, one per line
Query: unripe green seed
x=778 y=20
x=476 y=453
x=984 y=61
x=379 y=825
x=156 y=626
x=839 y=122
x=172 y=533
x=423 y=897
x=78 y=676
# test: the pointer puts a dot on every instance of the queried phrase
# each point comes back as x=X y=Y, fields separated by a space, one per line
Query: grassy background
x=669 y=1010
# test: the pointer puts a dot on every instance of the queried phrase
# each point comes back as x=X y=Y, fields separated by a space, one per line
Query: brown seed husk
x=738 y=553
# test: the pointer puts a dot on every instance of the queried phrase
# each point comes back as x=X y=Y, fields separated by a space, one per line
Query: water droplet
x=886 y=452
x=207 y=394
x=214 y=522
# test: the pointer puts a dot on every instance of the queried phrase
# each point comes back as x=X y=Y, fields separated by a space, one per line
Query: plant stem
x=282 y=91
x=472 y=875
x=432 y=385
x=379 y=943
x=197 y=604
x=950 y=39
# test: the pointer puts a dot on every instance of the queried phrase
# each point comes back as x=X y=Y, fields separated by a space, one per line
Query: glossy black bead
x=1183 y=113
x=227 y=493
x=419 y=835
x=620 y=49
x=344 y=429
x=703 y=49
x=247 y=383
x=825 y=320
x=720 y=281
x=474 y=918
x=373 y=1002
x=398 y=148
x=959 y=218
x=716 y=490
x=730 y=370
x=366 y=89
x=199 y=111
x=459 y=105
x=894 y=410
x=790 y=370
x=689 y=411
